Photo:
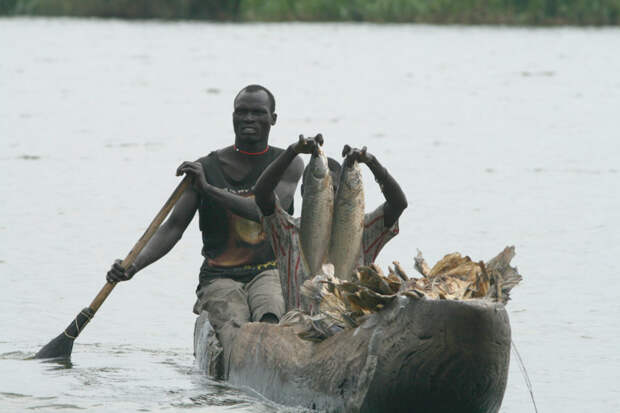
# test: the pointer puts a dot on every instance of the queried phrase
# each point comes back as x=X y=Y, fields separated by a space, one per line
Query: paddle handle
x=144 y=239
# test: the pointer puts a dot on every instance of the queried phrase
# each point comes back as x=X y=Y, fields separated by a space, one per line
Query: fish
x=316 y=212
x=348 y=222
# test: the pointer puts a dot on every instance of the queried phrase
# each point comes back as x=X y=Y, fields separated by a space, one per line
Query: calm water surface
x=499 y=137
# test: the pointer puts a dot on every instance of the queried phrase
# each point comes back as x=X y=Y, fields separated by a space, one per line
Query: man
x=380 y=225
x=239 y=281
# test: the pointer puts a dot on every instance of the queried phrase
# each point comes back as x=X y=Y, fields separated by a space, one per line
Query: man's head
x=334 y=171
x=253 y=116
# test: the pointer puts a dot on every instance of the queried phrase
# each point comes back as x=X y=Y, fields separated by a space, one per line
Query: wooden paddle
x=61 y=346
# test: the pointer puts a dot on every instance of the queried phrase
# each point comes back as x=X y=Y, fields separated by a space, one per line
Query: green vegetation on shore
x=526 y=12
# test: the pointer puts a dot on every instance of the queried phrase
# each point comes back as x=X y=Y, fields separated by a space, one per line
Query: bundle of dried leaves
x=344 y=304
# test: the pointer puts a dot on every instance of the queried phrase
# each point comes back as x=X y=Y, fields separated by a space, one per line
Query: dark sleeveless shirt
x=233 y=246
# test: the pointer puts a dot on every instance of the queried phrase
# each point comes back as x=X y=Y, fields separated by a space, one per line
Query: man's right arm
x=264 y=189
x=166 y=237
x=266 y=184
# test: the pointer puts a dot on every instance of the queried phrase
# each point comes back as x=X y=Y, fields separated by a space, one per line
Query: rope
x=526 y=377
x=69 y=335
x=77 y=326
x=87 y=315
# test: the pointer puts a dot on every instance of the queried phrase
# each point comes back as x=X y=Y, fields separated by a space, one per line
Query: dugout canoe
x=417 y=354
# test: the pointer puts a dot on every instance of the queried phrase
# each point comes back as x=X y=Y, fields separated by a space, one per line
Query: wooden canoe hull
x=415 y=355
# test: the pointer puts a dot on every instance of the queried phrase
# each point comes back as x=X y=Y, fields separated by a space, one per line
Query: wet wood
x=384 y=364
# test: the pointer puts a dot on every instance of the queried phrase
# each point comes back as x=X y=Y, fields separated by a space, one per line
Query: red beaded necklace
x=251 y=153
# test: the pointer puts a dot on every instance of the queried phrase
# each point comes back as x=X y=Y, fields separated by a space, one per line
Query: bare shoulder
x=226 y=151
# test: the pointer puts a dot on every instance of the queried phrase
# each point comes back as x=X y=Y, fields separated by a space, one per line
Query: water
x=499 y=136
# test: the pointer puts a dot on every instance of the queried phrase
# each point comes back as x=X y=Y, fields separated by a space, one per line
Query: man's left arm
x=282 y=175
x=243 y=206
x=285 y=172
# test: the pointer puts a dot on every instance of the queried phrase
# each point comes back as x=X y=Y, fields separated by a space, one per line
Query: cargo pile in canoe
x=437 y=343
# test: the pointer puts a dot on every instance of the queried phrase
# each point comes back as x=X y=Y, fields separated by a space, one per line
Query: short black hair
x=258 y=88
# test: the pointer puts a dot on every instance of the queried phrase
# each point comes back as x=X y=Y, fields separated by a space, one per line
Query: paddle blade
x=61 y=346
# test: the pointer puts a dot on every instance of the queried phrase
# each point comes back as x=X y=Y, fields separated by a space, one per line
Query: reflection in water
x=56 y=406
x=16 y=355
x=13 y=395
x=58 y=364
x=209 y=399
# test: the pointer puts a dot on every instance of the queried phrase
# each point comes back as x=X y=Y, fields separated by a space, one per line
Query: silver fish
x=348 y=222
x=316 y=212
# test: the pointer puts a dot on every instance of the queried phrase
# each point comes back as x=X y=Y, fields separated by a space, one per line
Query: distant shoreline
x=475 y=12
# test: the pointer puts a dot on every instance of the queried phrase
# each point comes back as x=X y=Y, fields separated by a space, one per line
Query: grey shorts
x=231 y=303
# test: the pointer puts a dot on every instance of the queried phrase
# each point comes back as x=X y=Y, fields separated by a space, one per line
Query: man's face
x=252 y=118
